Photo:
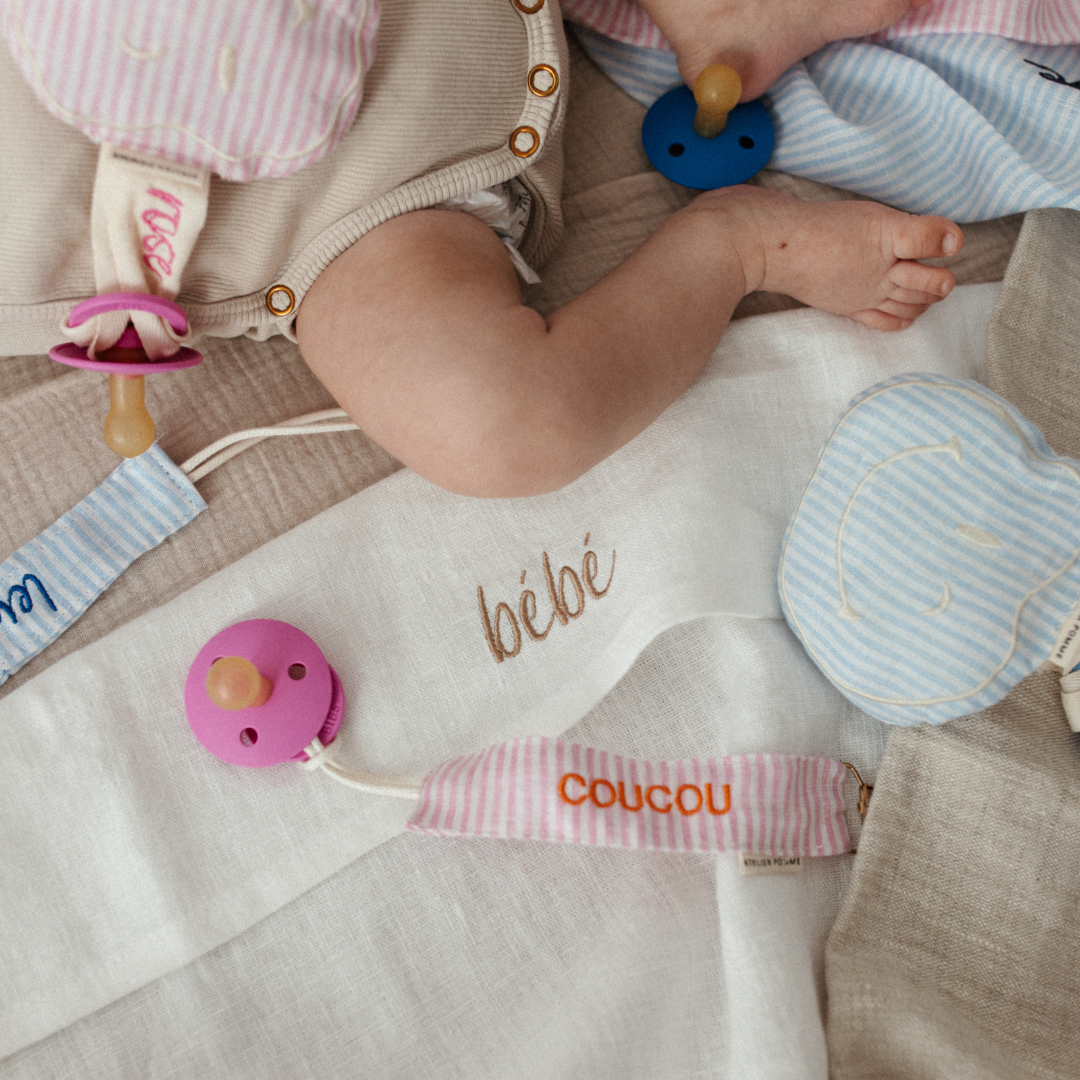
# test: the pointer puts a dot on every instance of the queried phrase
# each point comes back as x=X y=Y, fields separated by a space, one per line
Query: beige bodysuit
x=461 y=96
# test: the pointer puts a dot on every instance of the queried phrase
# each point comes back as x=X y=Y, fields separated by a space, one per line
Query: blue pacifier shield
x=742 y=149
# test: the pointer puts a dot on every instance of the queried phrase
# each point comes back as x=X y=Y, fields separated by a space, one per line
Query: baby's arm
x=419 y=330
x=761 y=39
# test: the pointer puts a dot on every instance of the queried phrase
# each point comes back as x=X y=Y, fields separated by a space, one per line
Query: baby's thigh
x=404 y=281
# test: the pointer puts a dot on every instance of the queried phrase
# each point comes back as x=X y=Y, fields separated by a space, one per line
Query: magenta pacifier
x=260 y=692
x=75 y=355
x=129 y=430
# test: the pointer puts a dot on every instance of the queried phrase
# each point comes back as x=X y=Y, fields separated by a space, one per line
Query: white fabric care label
x=145 y=216
x=544 y=789
x=49 y=582
x=769 y=865
x=1066 y=651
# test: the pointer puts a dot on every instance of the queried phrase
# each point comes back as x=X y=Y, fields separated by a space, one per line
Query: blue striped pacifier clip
x=49 y=582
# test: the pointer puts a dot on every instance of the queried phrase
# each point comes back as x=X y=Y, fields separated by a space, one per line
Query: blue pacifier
x=706 y=139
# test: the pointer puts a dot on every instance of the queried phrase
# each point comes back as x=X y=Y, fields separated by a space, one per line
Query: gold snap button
x=524 y=141
x=528 y=9
x=543 y=80
x=281 y=300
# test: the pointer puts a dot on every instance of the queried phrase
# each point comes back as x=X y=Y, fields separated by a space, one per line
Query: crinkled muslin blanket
x=142 y=878
x=970 y=125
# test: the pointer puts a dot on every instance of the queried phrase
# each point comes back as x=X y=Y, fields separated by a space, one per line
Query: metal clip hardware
x=865 y=790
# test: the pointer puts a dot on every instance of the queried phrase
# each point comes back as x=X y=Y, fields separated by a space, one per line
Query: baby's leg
x=419 y=331
x=852 y=258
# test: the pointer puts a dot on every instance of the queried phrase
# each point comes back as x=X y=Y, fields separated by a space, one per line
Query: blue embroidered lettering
x=26 y=601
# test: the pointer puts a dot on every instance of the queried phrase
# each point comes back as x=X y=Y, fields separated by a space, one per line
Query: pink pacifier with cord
x=261 y=693
x=129 y=429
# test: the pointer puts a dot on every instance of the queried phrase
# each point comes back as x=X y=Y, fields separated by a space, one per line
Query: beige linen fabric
x=430 y=127
x=955 y=953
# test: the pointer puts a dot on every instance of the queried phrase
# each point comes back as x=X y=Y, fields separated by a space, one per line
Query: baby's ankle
x=747 y=218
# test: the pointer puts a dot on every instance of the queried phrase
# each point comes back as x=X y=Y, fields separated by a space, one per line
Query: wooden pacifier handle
x=717 y=91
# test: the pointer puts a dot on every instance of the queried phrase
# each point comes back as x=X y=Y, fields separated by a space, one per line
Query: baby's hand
x=761 y=39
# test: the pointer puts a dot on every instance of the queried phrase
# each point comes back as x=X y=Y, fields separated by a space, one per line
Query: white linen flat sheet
x=168 y=915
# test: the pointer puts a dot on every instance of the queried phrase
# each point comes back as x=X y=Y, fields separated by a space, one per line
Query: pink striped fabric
x=246 y=89
x=1044 y=22
x=544 y=789
x=622 y=20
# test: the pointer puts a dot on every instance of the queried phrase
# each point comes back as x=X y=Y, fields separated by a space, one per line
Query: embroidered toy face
x=249 y=88
x=935 y=551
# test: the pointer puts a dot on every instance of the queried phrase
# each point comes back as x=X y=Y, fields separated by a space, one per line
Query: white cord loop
x=319 y=757
x=217 y=453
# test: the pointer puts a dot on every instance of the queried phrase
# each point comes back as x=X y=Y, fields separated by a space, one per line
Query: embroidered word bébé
x=564 y=607
x=688 y=799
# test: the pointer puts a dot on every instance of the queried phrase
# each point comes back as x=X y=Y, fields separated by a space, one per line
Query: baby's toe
x=912 y=296
x=927 y=237
x=904 y=312
x=881 y=320
x=932 y=282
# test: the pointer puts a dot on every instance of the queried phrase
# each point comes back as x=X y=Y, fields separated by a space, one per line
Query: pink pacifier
x=260 y=692
x=129 y=430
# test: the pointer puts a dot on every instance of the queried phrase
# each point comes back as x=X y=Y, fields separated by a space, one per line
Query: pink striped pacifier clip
x=261 y=693
x=545 y=789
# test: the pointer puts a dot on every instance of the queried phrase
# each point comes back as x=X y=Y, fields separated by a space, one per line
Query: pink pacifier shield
x=76 y=355
x=306 y=699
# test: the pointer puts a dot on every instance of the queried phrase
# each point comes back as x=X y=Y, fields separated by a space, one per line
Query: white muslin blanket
x=225 y=921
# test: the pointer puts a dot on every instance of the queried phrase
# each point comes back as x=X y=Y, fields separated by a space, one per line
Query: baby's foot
x=852 y=257
x=761 y=39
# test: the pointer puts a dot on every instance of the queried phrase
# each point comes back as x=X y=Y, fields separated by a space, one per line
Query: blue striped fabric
x=935 y=551
x=965 y=125
x=643 y=73
x=49 y=582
